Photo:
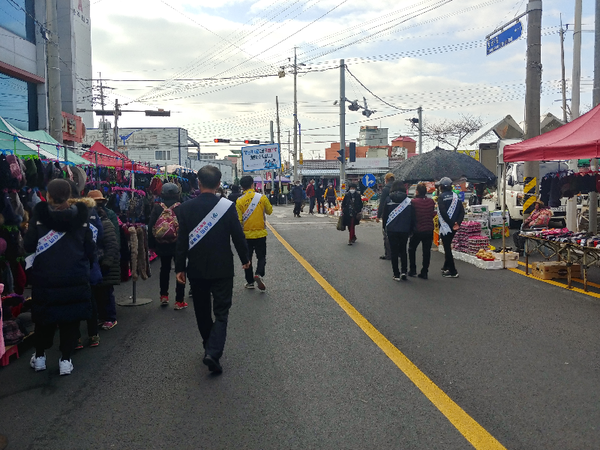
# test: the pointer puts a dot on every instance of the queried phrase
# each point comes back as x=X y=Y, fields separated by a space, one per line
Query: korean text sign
x=261 y=157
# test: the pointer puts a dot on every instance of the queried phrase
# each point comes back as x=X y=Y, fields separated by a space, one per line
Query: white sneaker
x=65 y=367
x=39 y=363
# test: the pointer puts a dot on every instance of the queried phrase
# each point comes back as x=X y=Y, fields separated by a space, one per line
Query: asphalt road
x=520 y=357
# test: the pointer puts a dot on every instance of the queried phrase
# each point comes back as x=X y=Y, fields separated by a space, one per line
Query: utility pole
x=575 y=98
x=116 y=128
x=53 y=69
x=593 y=222
x=576 y=89
x=562 y=65
x=342 y=126
x=295 y=119
x=279 y=145
x=104 y=130
x=533 y=81
x=420 y=113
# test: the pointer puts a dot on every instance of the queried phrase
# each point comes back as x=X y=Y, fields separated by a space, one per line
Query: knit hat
x=170 y=190
x=79 y=177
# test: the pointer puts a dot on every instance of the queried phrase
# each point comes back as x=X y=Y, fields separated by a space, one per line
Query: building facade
x=158 y=146
x=24 y=38
x=372 y=136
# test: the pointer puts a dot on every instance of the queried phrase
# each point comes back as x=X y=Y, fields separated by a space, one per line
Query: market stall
x=579 y=139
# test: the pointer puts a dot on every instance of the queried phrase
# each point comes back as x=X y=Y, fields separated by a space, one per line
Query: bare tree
x=452 y=132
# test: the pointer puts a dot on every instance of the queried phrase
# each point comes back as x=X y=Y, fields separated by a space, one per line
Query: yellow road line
x=465 y=424
x=578 y=280
x=556 y=283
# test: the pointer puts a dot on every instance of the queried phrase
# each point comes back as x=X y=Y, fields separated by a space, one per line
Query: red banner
x=72 y=127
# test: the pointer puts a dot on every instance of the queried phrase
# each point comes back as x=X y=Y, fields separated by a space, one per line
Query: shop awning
x=103 y=156
x=47 y=144
x=579 y=139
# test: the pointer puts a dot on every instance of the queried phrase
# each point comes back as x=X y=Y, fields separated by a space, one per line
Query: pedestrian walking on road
x=450 y=216
x=63 y=247
x=235 y=193
x=424 y=211
x=312 y=196
x=207 y=225
x=389 y=180
x=105 y=294
x=164 y=230
x=330 y=196
x=251 y=208
x=297 y=197
x=398 y=222
x=319 y=191
x=351 y=211
x=95 y=224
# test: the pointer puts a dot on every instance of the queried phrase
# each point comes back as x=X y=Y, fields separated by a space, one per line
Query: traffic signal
x=342 y=157
x=352 y=152
x=249 y=141
x=222 y=141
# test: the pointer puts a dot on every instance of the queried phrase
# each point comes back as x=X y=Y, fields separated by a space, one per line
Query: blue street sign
x=369 y=180
x=506 y=37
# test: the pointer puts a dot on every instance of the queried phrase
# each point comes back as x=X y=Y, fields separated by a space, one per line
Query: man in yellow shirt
x=251 y=208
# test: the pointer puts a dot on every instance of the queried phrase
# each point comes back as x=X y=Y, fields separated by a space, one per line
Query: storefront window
x=18 y=16
x=18 y=102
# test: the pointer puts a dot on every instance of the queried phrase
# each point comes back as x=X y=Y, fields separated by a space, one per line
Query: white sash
x=44 y=243
x=397 y=210
x=209 y=221
x=251 y=207
x=444 y=227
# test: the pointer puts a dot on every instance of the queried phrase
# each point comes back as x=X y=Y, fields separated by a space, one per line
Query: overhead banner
x=261 y=157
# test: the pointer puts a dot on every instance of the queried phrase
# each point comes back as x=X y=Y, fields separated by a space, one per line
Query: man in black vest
x=210 y=260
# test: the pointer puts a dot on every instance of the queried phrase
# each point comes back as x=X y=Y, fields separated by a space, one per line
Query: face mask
x=218 y=194
x=352 y=191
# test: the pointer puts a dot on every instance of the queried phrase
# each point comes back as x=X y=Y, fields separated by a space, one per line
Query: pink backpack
x=166 y=227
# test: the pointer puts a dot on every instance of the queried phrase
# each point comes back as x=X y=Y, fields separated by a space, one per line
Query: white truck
x=515 y=183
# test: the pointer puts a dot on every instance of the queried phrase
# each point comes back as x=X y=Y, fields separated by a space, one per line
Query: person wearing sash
x=207 y=225
x=251 y=208
x=389 y=180
x=450 y=216
x=424 y=210
x=398 y=221
x=351 y=211
x=62 y=251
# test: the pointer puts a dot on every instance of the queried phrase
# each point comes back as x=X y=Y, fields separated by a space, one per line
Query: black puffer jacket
x=403 y=222
x=60 y=275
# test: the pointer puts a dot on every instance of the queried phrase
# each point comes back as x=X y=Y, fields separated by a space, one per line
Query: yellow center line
x=478 y=436
x=578 y=280
x=556 y=283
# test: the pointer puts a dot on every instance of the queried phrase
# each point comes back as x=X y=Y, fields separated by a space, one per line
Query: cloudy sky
x=214 y=64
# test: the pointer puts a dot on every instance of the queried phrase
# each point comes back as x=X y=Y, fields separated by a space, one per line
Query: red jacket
x=424 y=210
x=310 y=190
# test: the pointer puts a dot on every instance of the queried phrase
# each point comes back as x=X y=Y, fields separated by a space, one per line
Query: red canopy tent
x=103 y=156
x=579 y=139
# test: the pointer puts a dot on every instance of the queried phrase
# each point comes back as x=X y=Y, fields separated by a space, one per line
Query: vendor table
x=563 y=251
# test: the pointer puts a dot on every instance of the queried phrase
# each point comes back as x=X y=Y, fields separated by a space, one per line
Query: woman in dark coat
x=351 y=211
x=166 y=250
x=399 y=222
x=64 y=248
